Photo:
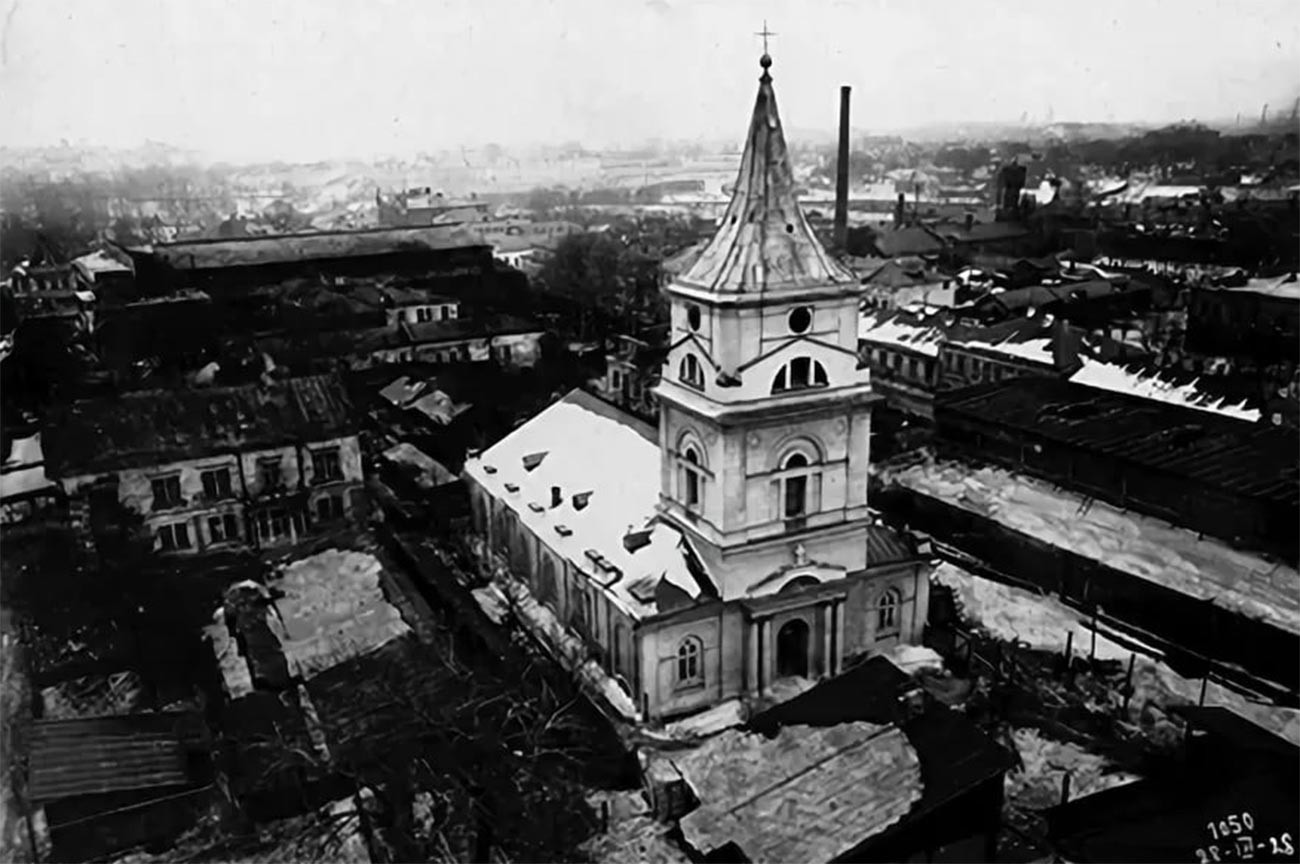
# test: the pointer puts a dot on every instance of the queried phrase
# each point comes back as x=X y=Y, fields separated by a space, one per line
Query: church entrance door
x=792 y=642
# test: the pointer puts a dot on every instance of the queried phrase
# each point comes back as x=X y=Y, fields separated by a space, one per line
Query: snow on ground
x=914 y=658
x=1038 y=784
x=1042 y=623
x=722 y=716
x=1141 y=545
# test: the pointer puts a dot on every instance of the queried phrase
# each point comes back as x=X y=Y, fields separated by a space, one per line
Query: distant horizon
x=256 y=81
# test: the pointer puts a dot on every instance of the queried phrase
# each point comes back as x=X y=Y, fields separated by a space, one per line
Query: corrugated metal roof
x=1246 y=459
x=109 y=754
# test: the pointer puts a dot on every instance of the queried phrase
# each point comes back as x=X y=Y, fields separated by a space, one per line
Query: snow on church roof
x=764 y=243
x=589 y=448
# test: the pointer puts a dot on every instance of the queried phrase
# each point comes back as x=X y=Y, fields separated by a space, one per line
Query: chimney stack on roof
x=970 y=221
x=842 y=174
x=898 y=210
x=557 y=496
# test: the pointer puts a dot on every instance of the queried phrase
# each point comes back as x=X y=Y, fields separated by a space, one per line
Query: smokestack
x=898 y=210
x=842 y=174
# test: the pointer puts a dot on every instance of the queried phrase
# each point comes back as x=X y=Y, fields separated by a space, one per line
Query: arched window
x=691 y=372
x=801 y=373
x=690 y=662
x=794 y=487
x=887 y=617
x=692 y=481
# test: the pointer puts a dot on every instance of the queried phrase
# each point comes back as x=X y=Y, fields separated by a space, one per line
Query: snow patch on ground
x=1042 y=623
x=914 y=658
x=1038 y=784
x=716 y=719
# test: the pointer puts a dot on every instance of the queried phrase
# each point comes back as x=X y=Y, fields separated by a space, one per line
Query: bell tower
x=765 y=407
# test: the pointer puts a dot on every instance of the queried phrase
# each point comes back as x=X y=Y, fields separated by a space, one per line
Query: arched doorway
x=792 y=649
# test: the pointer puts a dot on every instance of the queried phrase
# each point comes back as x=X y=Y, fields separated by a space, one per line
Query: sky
x=307 y=79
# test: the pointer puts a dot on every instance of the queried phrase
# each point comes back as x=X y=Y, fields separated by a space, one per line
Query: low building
x=448 y=255
x=411 y=305
x=1212 y=474
x=903 y=282
x=102 y=271
x=101 y=785
x=511 y=342
x=631 y=373
x=1260 y=319
x=25 y=491
x=916 y=356
x=230 y=468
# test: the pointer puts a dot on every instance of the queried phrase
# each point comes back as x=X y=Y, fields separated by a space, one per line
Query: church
x=733 y=545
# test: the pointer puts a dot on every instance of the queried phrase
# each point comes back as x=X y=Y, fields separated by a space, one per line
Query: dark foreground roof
x=321 y=245
x=1245 y=769
x=955 y=755
x=110 y=754
x=160 y=426
x=1252 y=461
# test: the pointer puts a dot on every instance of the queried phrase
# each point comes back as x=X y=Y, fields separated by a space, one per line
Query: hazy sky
x=313 y=78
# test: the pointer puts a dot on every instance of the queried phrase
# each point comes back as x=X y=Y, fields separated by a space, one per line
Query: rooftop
x=1244 y=459
x=908 y=240
x=806 y=794
x=609 y=460
x=764 y=242
x=160 y=426
x=321 y=245
x=1143 y=546
x=96 y=755
x=330 y=608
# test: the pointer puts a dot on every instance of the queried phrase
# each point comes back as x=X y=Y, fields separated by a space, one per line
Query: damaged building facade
x=732 y=546
x=219 y=469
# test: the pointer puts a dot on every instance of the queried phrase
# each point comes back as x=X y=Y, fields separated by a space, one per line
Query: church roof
x=609 y=462
x=764 y=242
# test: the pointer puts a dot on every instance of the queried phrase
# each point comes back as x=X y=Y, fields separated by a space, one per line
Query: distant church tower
x=765 y=408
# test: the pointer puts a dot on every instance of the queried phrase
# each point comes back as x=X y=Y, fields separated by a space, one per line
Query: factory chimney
x=842 y=175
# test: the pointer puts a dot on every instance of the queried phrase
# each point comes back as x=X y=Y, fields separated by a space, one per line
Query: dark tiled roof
x=1039 y=296
x=255 y=251
x=986 y=232
x=110 y=754
x=160 y=426
x=886 y=546
x=912 y=240
x=1248 y=460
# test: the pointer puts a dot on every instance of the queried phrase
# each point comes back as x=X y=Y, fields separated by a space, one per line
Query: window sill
x=689 y=686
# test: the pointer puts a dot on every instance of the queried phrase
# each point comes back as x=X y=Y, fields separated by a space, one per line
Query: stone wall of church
x=863 y=630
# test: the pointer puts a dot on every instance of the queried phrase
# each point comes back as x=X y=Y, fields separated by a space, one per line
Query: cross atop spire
x=765 y=33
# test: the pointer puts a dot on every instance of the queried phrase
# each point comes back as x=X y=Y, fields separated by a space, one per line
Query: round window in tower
x=693 y=317
x=800 y=319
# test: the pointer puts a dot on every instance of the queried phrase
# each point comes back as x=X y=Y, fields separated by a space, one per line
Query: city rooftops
x=156 y=427
x=322 y=245
x=1243 y=458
